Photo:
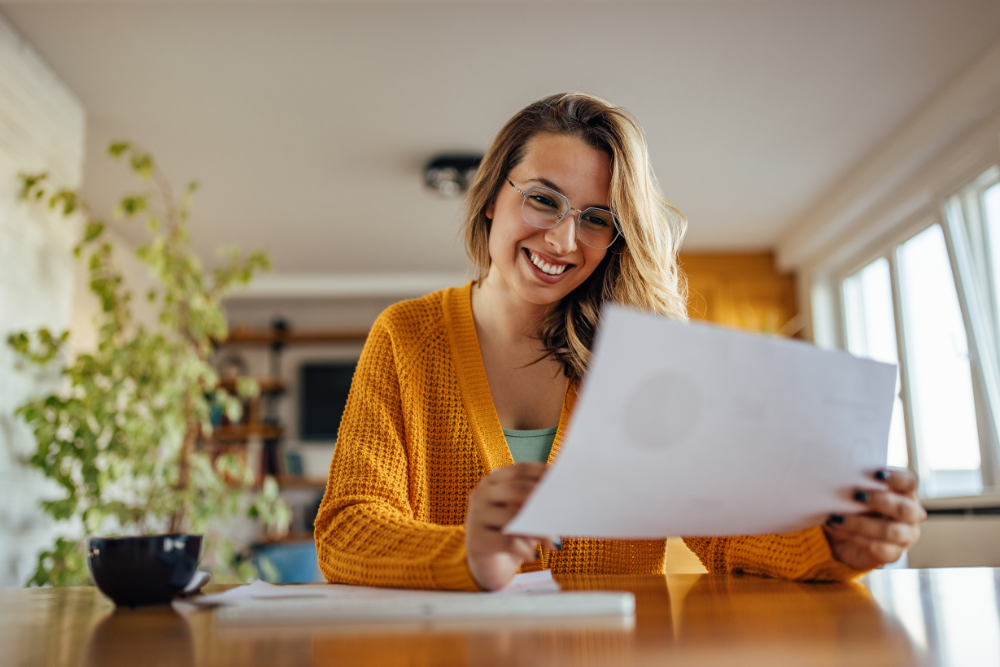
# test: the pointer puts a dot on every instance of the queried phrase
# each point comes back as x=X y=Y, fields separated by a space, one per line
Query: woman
x=461 y=397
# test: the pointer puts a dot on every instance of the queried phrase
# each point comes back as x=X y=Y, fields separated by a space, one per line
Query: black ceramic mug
x=151 y=569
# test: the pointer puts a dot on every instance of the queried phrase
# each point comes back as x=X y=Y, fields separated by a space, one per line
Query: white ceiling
x=307 y=123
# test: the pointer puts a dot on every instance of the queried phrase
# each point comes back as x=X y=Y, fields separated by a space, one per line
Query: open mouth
x=547 y=266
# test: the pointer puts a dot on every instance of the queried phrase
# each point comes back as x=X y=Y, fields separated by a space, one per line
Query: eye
x=596 y=220
x=542 y=199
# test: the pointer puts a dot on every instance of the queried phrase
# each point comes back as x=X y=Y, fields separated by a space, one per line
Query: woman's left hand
x=883 y=533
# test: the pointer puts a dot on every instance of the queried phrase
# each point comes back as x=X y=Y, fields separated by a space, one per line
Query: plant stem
x=184 y=477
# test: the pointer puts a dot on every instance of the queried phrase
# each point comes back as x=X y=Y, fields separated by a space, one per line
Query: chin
x=544 y=295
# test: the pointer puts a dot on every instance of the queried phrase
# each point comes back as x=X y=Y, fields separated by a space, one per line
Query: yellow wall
x=745 y=291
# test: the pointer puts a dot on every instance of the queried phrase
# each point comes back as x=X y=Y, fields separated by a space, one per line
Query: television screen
x=323 y=389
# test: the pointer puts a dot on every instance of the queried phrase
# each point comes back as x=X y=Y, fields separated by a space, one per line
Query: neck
x=498 y=310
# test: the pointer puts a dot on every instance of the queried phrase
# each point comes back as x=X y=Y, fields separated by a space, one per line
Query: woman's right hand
x=493 y=557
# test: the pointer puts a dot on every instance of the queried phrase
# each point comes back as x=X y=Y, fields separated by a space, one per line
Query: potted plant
x=120 y=435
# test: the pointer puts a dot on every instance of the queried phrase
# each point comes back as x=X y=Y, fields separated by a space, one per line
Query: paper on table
x=688 y=429
x=526 y=583
x=533 y=594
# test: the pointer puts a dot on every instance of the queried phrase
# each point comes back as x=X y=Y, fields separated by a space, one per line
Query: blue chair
x=295 y=562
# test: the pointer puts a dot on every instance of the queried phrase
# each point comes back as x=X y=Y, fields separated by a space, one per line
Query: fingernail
x=882 y=475
x=861 y=496
x=558 y=544
x=835 y=520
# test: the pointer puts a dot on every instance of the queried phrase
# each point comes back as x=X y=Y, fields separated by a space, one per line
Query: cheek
x=505 y=234
x=501 y=244
x=593 y=259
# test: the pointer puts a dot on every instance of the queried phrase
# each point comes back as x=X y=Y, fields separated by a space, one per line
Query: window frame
x=985 y=383
x=982 y=336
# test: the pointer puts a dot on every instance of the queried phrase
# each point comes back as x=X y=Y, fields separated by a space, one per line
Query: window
x=937 y=359
x=871 y=332
x=930 y=302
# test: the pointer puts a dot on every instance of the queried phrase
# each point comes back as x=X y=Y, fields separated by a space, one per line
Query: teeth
x=545 y=266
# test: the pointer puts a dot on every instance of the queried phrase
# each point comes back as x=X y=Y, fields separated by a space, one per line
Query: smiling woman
x=461 y=397
x=584 y=154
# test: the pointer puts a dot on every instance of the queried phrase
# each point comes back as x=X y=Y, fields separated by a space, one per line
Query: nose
x=562 y=237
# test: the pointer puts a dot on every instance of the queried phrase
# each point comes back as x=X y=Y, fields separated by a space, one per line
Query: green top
x=533 y=445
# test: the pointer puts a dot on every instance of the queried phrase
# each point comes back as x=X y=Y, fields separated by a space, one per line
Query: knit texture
x=420 y=431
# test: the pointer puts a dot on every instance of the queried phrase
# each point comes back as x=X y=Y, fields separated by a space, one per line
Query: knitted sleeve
x=365 y=529
x=803 y=555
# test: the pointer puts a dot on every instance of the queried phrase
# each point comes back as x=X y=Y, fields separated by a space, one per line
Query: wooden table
x=894 y=617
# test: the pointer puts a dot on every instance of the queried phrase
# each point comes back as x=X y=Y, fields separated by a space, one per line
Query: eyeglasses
x=544 y=208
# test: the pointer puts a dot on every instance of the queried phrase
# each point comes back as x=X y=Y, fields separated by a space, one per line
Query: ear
x=491 y=210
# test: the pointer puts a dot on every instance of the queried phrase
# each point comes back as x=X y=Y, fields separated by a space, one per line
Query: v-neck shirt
x=530 y=445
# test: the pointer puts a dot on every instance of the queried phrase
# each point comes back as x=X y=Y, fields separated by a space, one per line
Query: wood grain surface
x=893 y=617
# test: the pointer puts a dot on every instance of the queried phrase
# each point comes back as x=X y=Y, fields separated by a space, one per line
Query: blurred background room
x=838 y=162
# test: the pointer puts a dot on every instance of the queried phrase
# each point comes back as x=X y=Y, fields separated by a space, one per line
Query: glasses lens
x=597 y=228
x=543 y=207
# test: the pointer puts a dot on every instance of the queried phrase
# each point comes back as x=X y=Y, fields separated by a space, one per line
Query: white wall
x=41 y=128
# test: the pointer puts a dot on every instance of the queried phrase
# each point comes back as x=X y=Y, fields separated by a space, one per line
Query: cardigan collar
x=468 y=360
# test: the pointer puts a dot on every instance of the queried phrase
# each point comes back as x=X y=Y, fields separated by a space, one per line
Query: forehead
x=569 y=162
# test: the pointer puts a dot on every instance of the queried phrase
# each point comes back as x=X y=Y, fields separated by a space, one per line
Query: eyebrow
x=552 y=186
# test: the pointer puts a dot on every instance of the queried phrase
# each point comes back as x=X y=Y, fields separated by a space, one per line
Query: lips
x=547 y=265
x=545 y=268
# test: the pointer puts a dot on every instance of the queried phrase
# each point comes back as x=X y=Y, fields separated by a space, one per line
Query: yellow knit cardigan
x=418 y=434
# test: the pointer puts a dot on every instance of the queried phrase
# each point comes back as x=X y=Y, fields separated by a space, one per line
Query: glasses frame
x=569 y=209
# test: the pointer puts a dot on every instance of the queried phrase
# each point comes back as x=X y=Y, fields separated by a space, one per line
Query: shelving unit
x=237 y=432
x=300 y=482
x=268 y=385
x=262 y=425
x=247 y=336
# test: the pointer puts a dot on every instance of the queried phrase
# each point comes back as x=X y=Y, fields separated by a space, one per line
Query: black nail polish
x=882 y=475
x=835 y=520
x=861 y=496
x=558 y=544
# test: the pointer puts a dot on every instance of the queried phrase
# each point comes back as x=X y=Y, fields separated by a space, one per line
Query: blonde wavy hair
x=639 y=270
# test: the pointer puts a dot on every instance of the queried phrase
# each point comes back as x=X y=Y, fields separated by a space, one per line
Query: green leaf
x=142 y=164
x=63 y=565
x=247 y=387
x=131 y=205
x=67 y=199
x=29 y=185
x=118 y=148
x=92 y=231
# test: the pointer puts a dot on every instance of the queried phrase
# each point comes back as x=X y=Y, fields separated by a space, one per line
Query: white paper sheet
x=695 y=430
x=533 y=594
x=526 y=583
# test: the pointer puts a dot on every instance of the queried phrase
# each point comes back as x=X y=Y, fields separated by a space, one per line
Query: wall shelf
x=232 y=432
x=268 y=385
x=300 y=482
x=248 y=336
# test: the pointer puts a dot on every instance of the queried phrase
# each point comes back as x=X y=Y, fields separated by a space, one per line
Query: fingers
x=507 y=487
x=899 y=480
x=524 y=470
x=893 y=505
x=495 y=517
x=861 y=552
x=878 y=529
x=883 y=533
x=492 y=557
x=522 y=547
x=514 y=492
x=493 y=503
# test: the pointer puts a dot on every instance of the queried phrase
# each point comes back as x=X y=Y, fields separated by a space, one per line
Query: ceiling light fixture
x=451 y=175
